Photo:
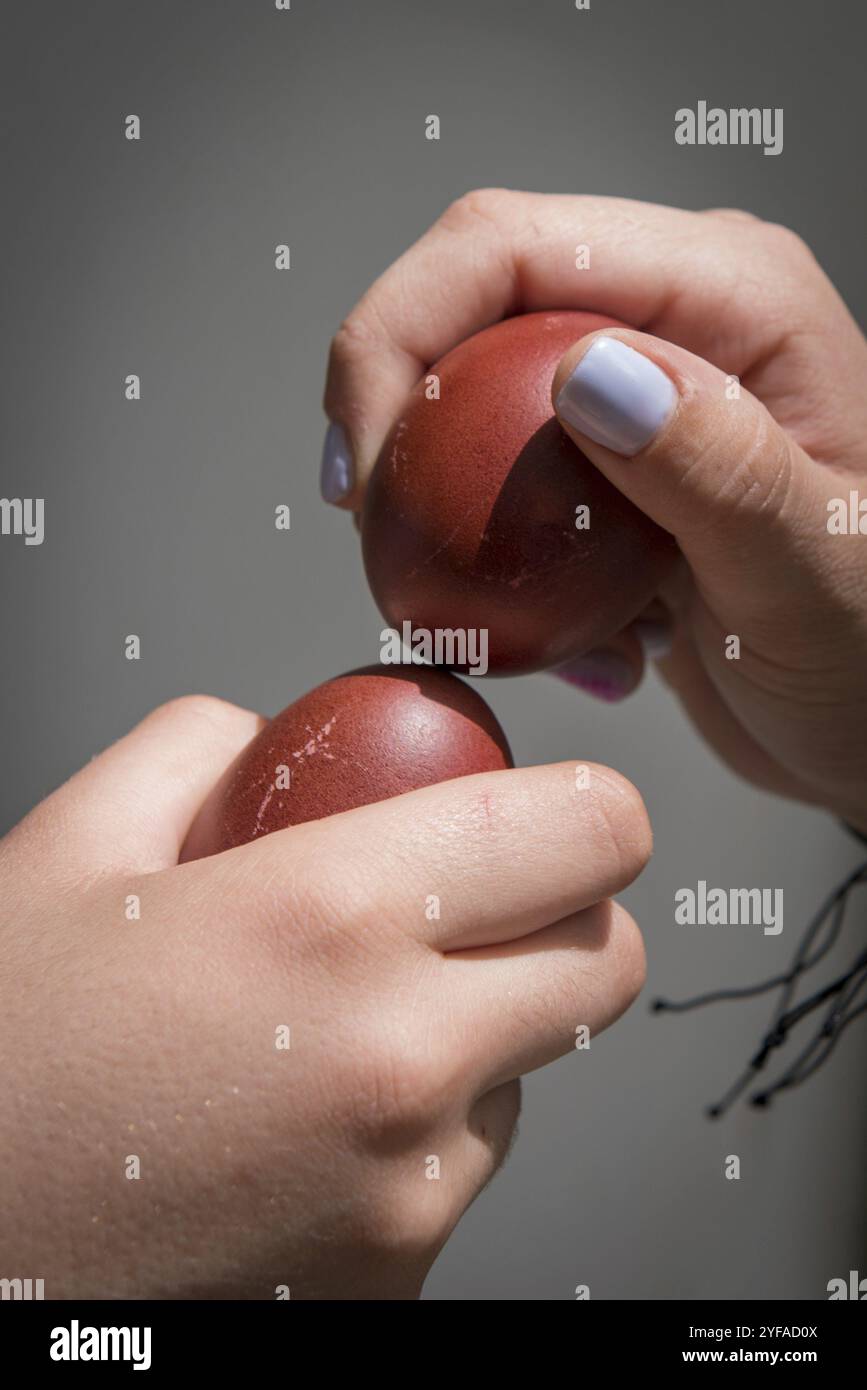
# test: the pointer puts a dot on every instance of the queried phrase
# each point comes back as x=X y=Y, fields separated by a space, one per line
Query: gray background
x=157 y=258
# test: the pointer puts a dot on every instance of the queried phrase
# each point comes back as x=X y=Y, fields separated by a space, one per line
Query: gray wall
x=157 y=258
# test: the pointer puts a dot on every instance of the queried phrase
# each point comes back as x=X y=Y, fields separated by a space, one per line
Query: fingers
x=611 y=672
x=686 y=673
x=446 y=287
x=706 y=460
x=522 y=1005
x=738 y=293
x=481 y=859
x=130 y=808
x=615 y=670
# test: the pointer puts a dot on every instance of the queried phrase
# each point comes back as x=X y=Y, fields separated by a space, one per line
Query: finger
x=743 y=298
x=522 y=1005
x=129 y=809
x=610 y=673
x=744 y=501
x=725 y=732
x=480 y=859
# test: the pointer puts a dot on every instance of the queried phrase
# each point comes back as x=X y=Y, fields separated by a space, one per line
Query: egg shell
x=364 y=736
x=469 y=520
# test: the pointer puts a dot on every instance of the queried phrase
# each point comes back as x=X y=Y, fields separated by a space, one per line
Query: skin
x=742 y=484
x=155 y=1037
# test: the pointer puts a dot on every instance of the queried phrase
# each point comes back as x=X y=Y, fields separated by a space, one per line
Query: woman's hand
x=735 y=419
x=293 y=1065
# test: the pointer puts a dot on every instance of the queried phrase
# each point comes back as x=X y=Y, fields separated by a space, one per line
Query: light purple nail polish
x=617 y=397
x=605 y=674
x=337 y=474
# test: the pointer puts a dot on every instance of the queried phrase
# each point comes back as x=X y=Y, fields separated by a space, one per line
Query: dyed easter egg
x=362 y=737
x=481 y=514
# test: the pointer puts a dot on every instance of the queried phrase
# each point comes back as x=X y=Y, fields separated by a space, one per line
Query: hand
x=143 y=1001
x=755 y=421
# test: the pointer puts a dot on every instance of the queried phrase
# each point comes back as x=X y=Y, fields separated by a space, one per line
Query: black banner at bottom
x=163 y=1339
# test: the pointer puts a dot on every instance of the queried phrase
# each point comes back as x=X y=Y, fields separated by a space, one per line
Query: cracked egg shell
x=361 y=737
x=469 y=521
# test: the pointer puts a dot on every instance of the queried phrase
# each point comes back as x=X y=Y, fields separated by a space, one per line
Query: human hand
x=145 y=1003
x=756 y=421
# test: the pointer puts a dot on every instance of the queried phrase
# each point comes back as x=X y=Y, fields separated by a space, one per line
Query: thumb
x=703 y=458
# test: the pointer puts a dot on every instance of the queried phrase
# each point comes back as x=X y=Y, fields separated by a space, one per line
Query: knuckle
x=205 y=710
x=620 y=822
x=330 y=914
x=733 y=214
x=777 y=235
x=479 y=205
x=761 y=481
x=404 y=1087
x=743 y=471
x=355 y=338
x=783 y=251
x=788 y=241
x=317 y=907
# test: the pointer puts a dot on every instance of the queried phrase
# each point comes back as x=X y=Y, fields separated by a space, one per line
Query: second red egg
x=482 y=515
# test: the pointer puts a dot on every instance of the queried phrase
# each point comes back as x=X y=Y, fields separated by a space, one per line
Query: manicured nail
x=655 y=638
x=617 y=396
x=337 y=475
x=605 y=674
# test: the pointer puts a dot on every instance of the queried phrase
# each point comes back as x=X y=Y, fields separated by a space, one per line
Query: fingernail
x=337 y=474
x=617 y=397
x=655 y=638
x=605 y=674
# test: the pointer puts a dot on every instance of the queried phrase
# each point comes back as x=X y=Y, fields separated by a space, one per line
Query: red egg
x=362 y=737
x=470 y=516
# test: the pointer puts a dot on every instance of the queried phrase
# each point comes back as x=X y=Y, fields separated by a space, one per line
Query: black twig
x=842 y=991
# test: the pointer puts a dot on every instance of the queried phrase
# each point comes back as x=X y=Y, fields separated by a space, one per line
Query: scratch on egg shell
x=316 y=743
x=395 y=451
